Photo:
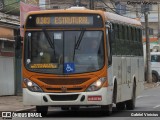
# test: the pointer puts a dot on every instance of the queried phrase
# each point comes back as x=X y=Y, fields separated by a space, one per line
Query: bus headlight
x=32 y=86
x=96 y=85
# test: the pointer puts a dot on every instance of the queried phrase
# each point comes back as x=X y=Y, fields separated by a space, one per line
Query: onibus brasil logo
x=10 y=115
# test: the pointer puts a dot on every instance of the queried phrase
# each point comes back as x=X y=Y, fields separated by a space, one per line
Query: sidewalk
x=151 y=85
x=15 y=103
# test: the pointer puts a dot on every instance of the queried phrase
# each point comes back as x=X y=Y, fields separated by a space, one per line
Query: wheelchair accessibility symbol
x=69 y=67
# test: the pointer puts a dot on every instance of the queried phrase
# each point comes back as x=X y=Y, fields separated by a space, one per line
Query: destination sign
x=64 y=20
x=74 y=20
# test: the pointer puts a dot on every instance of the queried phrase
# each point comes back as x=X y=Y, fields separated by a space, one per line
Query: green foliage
x=11 y=7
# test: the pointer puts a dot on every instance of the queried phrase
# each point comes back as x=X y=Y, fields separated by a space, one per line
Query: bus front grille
x=63 y=81
x=60 y=89
x=64 y=97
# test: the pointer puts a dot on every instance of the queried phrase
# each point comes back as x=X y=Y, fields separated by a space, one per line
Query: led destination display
x=64 y=20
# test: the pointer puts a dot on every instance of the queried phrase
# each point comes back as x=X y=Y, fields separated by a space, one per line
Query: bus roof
x=71 y=10
x=118 y=18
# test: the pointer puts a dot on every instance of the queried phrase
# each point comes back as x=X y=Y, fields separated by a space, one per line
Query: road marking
x=156 y=106
x=143 y=96
x=146 y=96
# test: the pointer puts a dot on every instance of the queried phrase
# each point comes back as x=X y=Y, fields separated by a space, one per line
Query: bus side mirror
x=18 y=42
x=110 y=32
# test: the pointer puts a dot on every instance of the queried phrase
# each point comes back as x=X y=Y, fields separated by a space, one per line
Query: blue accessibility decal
x=69 y=68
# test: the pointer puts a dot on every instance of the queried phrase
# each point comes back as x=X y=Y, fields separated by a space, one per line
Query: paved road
x=148 y=101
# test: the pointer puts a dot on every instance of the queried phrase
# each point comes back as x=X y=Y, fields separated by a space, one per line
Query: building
x=9 y=25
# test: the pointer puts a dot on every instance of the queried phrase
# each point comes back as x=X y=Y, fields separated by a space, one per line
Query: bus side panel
x=134 y=70
x=141 y=69
x=126 y=75
x=140 y=86
x=110 y=85
x=117 y=73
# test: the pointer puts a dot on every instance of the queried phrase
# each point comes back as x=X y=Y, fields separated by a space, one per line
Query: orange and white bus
x=79 y=57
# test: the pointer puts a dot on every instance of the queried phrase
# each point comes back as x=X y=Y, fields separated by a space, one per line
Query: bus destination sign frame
x=64 y=20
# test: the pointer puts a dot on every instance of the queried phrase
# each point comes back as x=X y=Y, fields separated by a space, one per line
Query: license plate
x=94 y=98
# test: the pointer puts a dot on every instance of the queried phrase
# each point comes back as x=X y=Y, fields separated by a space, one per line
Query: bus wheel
x=42 y=109
x=64 y=108
x=154 y=78
x=120 y=106
x=107 y=109
x=130 y=104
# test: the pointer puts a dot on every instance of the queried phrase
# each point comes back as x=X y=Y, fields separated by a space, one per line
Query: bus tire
x=120 y=106
x=114 y=97
x=130 y=104
x=154 y=78
x=42 y=109
x=107 y=109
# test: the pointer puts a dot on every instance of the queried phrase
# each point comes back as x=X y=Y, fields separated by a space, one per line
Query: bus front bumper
x=100 y=97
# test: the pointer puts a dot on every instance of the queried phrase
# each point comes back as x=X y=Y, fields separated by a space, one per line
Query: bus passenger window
x=108 y=39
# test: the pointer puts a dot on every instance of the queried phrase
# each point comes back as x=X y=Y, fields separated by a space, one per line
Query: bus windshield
x=64 y=52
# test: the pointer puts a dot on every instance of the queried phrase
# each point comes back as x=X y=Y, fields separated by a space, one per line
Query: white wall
x=7 y=80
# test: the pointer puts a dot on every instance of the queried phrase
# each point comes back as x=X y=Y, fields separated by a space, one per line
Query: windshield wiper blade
x=79 y=39
x=74 y=52
x=49 y=39
x=76 y=46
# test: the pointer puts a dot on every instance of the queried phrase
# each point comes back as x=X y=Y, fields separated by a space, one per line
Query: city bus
x=78 y=57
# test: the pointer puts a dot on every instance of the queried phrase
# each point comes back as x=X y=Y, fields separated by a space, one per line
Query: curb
x=26 y=110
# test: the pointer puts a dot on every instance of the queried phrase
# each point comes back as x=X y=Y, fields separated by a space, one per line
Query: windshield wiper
x=79 y=39
x=76 y=46
x=74 y=49
x=51 y=43
x=49 y=39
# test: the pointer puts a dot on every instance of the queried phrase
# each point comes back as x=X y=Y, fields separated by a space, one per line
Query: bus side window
x=127 y=41
x=140 y=38
x=124 y=40
x=108 y=45
x=139 y=41
x=113 y=40
x=118 y=42
x=132 y=41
